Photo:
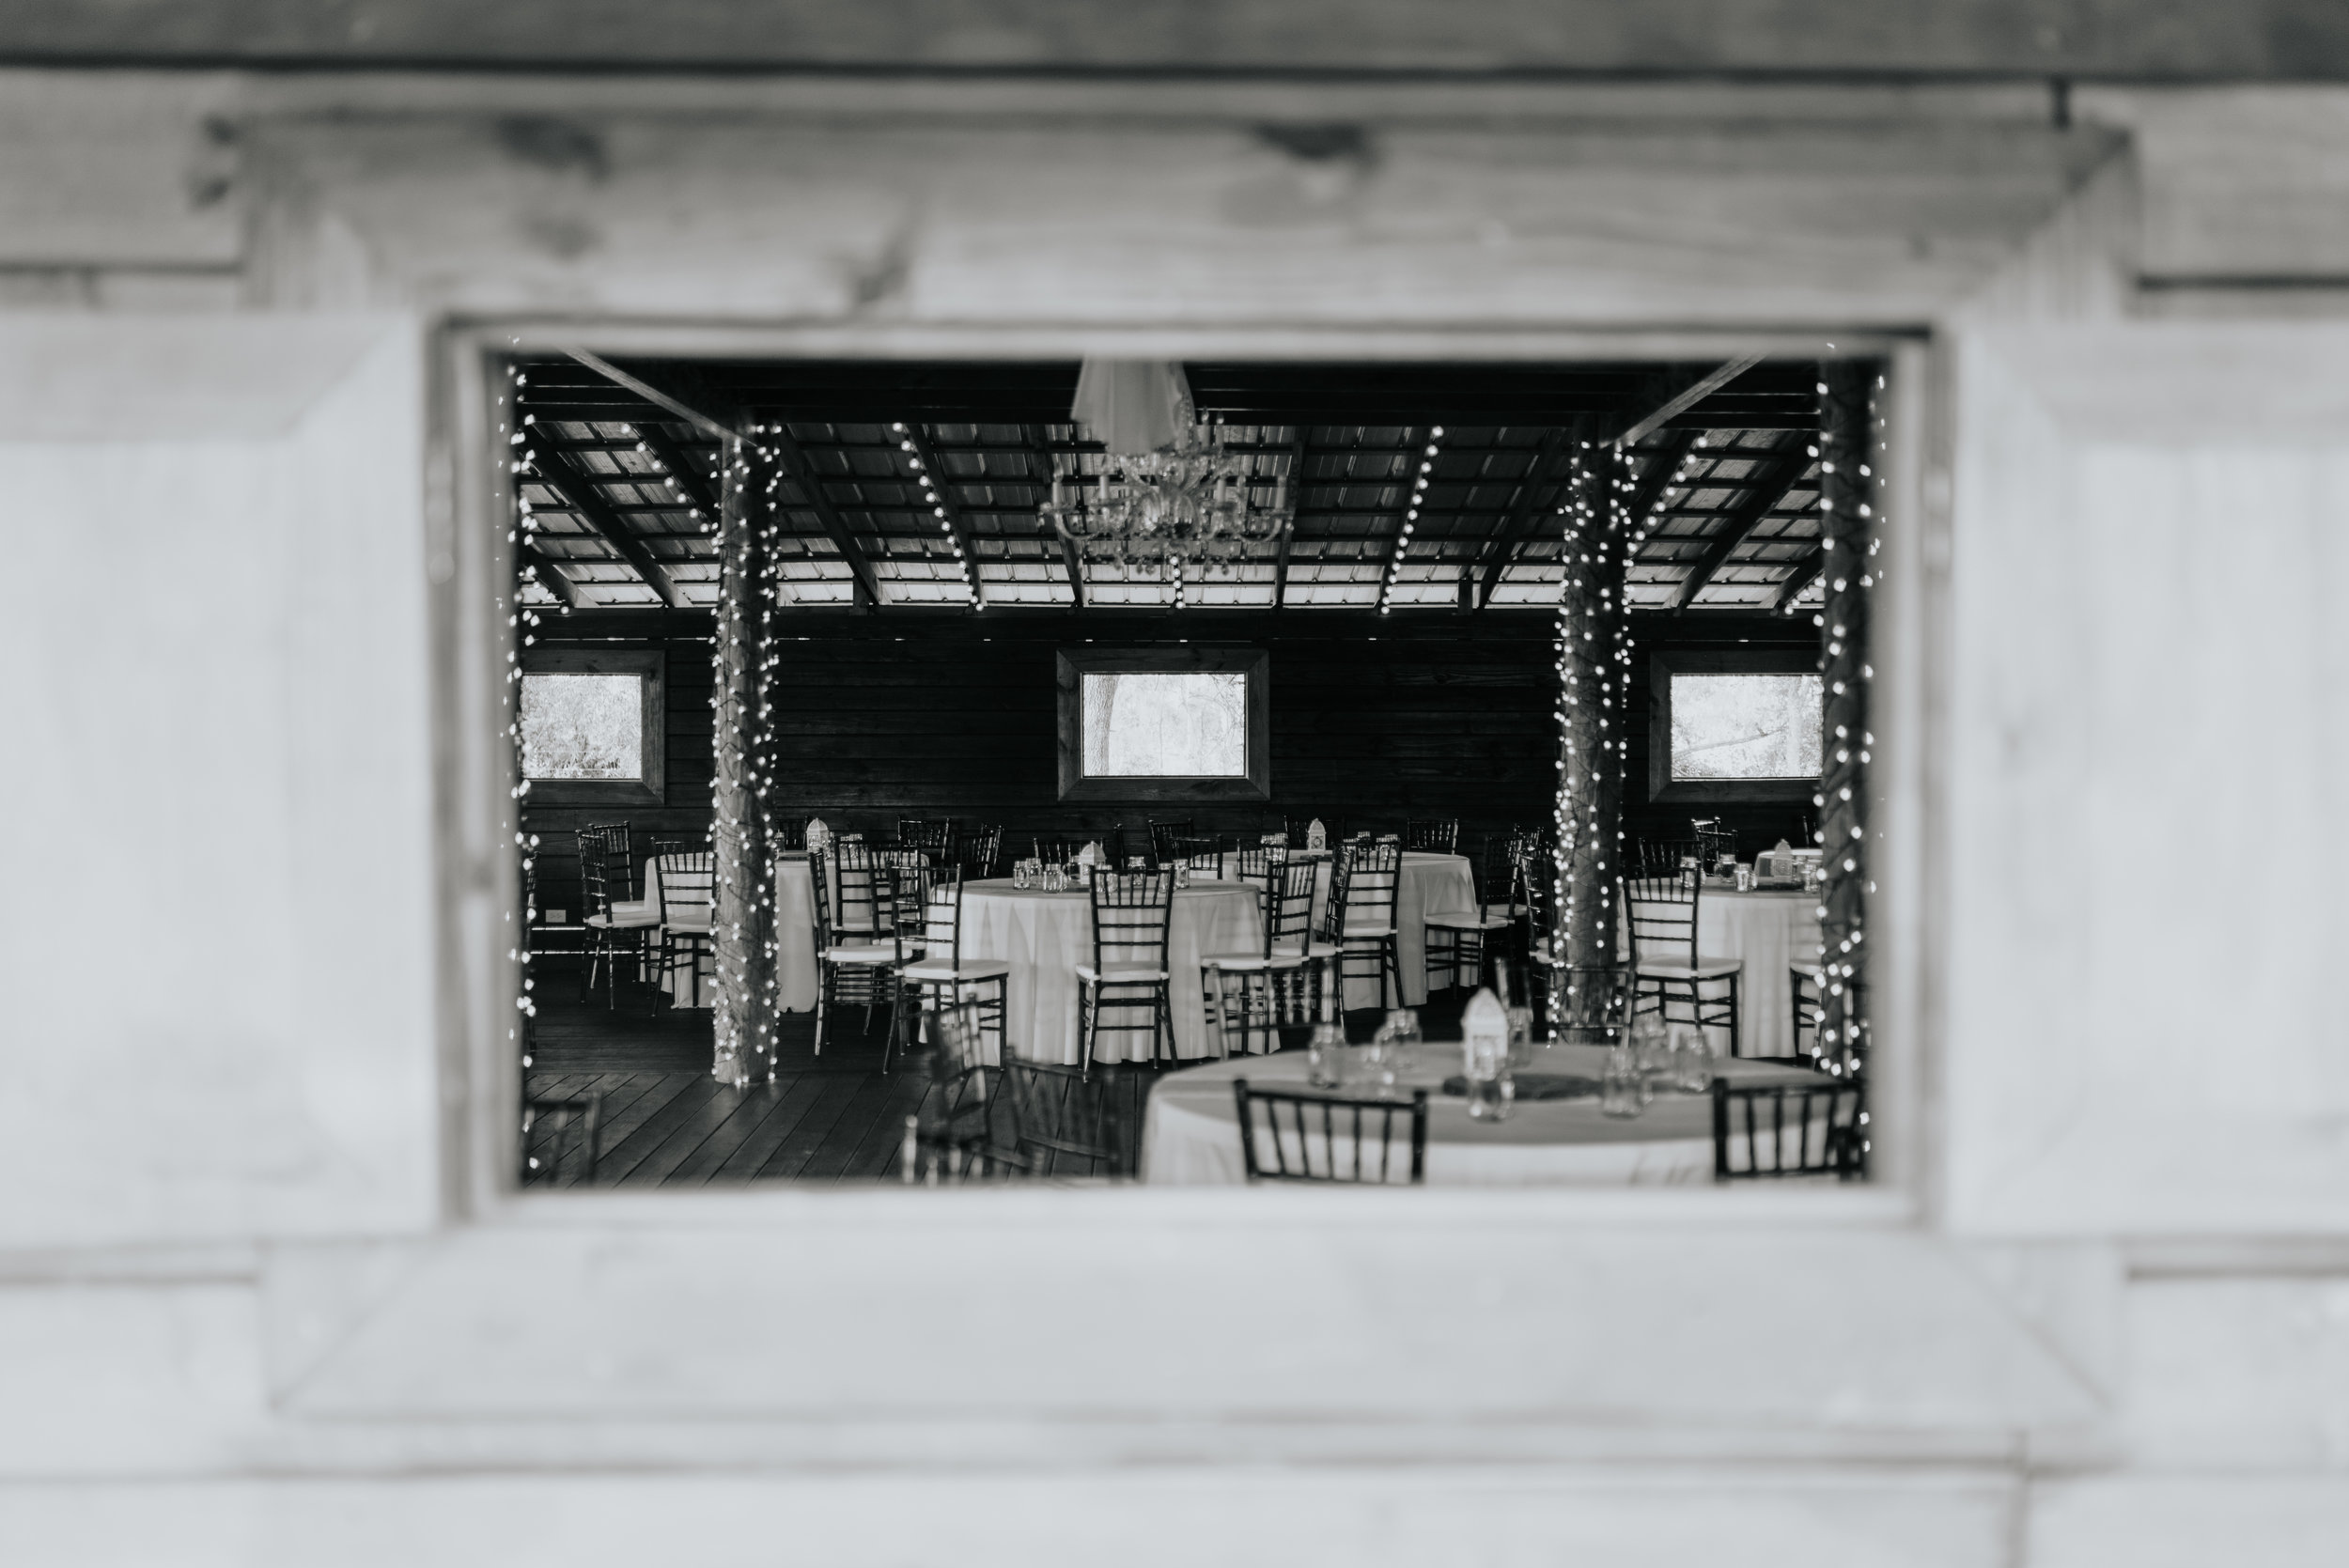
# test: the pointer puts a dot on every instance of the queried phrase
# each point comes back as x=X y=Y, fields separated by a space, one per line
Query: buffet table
x=1045 y=936
x=1190 y=1131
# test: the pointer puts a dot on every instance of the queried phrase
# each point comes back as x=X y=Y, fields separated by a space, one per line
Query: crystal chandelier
x=1166 y=490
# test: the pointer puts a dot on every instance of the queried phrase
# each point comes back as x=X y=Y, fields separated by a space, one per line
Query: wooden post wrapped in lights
x=1849 y=456
x=1593 y=648
x=746 y=997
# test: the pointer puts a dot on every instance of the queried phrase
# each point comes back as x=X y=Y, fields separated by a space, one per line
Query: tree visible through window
x=587 y=726
x=1745 y=726
x=1166 y=725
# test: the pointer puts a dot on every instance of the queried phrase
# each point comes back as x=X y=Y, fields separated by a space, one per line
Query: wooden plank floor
x=666 y=1123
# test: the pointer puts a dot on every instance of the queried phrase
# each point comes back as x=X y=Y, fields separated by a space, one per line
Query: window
x=592 y=726
x=1141 y=725
x=1734 y=724
x=1745 y=727
x=1179 y=724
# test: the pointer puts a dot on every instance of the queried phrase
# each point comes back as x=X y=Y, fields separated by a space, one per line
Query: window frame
x=650 y=787
x=1662 y=788
x=1071 y=665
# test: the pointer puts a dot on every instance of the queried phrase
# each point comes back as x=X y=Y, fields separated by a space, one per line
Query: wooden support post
x=744 y=917
x=1594 y=669
x=1847 y=441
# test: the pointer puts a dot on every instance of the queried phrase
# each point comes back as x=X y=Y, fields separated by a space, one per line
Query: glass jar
x=1692 y=1058
x=1622 y=1090
x=1325 y=1056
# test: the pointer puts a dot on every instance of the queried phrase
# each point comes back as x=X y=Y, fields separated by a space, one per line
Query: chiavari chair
x=1063 y=1115
x=1457 y=939
x=581 y=1114
x=978 y=849
x=1359 y=917
x=941 y=977
x=857 y=966
x=689 y=879
x=854 y=867
x=1244 y=992
x=933 y=835
x=950 y=1137
x=1431 y=835
x=1060 y=851
x=1663 y=856
x=1131 y=913
x=1660 y=925
x=1202 y=855
x=614 y=925
x=1767 y=1131
x=1280 y=1133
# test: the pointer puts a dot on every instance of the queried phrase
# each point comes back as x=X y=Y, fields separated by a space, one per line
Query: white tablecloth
x=1190 y=1131
x=1428 y=884
x=1769 y=930
x=1045 y=936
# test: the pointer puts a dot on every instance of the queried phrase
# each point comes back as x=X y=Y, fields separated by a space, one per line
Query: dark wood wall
x=1374 y=718
x=685 y=640
x=1758 y=825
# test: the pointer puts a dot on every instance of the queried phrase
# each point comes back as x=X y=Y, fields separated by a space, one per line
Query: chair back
x=1288 y=907
x=1200 y=854
x=942 y=919
x=1263 y=861
x=1432 y=835
x=1287 y=1137
x=689 y=878
x=1370 y=873
x=976 y=850
x=1660 y=919
x=1062 y=1115
x=1498 y=874
x=933 y=835
x=595 y=882
x=1163 y=849
x=1060 y=851
x=1807 y=1129
x=902 y=900
x=1131 y=911
x=1537 y=879
x=1713 y=841
x=1661 y=857
x=618 y=846
x=855 y=890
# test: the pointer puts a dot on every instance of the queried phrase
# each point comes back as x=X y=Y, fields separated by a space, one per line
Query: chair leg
x=1088 y=1027
x=823 y=995
x=1735 y=1047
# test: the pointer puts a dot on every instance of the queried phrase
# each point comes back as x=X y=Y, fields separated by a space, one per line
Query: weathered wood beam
x=550 y=578
x=576 y=492
x=957 y=528
x=1515 y=527
x=691 y=483
x=1688 y=398
x=1806 y=571
x=1040 y=452
x=802 y=473
x=1766 y=489
x=1297 y=483
x=719 y=424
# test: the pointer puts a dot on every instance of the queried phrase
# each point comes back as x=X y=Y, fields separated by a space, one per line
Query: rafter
x=580 y=497
x=794 y=462
x=708 y=421
x=1288 y=535
x=550 y=578
x=694 y=483
x=1806 y=569
x=1767 y=490
x=1663 y=463
x=1516 y=525
x=1688 y=398
x=942 y=486
x=1040 y=451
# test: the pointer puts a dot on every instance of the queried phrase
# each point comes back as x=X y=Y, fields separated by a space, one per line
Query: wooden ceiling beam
x=691 y=482
x=1040 y=452
x=1656 y=477
x=942 y=486
x=1767 y=490
x=1686 y=398
x=1509 y=536
x=580 y=497
x=1288 y=535
x=550 y=578
x=1806 y=571
x=802 y=472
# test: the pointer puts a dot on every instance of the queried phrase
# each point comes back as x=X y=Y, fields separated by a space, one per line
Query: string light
x=1593 y=647
x=1848 y=543
x=1410 y=518
x=928 y=472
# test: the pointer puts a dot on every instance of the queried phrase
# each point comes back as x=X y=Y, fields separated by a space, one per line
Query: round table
x=1190 y=1131
x=795 y=939
x=1768 y=929
x=1045 y=936
x=1428 y=883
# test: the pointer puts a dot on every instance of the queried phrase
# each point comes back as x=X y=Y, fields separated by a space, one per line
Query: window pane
x=583 y=728
x=1746 y=726
x=1188 y=725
